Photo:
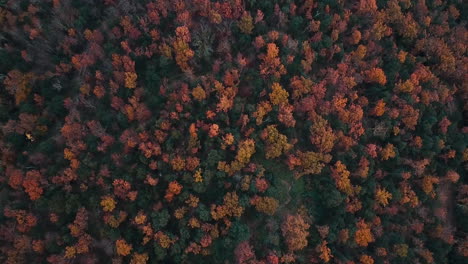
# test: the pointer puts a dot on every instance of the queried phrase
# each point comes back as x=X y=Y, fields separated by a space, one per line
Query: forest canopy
x=233 y=131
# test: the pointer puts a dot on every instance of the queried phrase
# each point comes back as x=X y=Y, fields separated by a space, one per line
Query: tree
x=295 y=232
x=139 y=258
x=307 y=162
x=199 y=93
x=182 y=51
x=31 y=184
x=276 y=143
x=266 y=205
x=444 y=124
x=278 y=96
x=230 y=207
x=19 y=84
x=244 y=253
x=15 y=177
x=108 y=204
x=341 y=176
x=122 y=247
x=245 y=150
x=382 y=196
x=363 y=235
x=375 y=75
x=379 y=108
x=271 y=64
x=173 y=189
x=388 y=152
x=325 y=252
x=246 y=23
x=321 y=135
x=366 y=259
x=130 y=80
x=263 y=108
x=285 y=115
x=409 y=116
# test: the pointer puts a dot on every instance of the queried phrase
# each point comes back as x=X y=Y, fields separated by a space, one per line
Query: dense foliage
x=233 y=131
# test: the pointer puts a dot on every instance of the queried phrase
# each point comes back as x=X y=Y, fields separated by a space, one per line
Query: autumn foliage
x=295 y=232
x=230 y=131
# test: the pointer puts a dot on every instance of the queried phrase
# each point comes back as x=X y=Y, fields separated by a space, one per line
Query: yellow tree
x=382 y=196
x=278 y=95
x=263 y=108
x=276 y=143
x=182 y=51
x=341 y=176
x=230 y=207
x=122 y=247
x=245 y=151
x=198 y=93
x=388 y=152
x=266 y=205
x=246 y=23
x=308 y=162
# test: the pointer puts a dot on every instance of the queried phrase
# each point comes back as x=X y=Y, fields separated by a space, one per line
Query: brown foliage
x=295 y=232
